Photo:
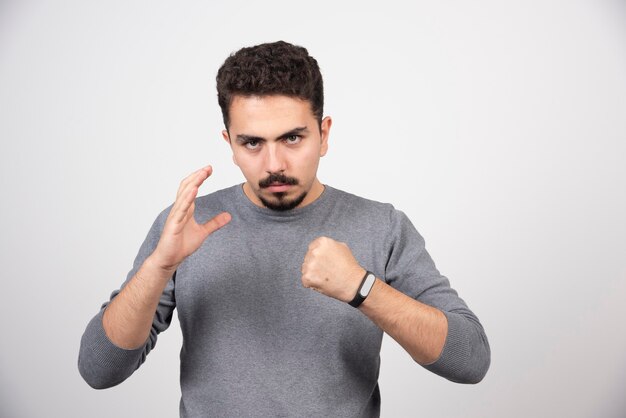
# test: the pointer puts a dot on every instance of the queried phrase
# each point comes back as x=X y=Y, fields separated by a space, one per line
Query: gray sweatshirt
x=256 y=343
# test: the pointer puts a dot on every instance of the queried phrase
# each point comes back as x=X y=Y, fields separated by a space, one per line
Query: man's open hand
x=330 y=268
x=182 y=235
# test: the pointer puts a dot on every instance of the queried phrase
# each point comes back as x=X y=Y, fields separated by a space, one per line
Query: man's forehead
x=268 y=115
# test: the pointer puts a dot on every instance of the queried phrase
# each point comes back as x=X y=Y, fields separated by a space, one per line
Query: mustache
x=277 y=178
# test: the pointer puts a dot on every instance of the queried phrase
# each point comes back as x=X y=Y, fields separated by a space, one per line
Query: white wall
x=498 y=127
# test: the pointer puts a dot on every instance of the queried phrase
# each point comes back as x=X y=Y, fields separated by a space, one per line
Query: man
x=283 y=285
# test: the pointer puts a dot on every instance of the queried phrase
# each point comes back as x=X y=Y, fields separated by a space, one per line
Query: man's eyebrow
x=294 y=131
x=242 y=139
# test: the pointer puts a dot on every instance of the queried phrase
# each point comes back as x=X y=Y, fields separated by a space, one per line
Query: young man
x=283 y=285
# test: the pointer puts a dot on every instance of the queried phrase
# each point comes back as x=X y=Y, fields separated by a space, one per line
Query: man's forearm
x=128 y=318
x=330 y=268
x=420 y=329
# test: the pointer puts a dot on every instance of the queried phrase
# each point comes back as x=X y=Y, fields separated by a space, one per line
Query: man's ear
x=226 y=137
x=325 y=131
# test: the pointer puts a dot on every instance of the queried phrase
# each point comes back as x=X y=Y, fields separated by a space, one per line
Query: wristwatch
x=364 y=289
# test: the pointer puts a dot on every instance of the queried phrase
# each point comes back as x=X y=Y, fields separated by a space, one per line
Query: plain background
x=499 y=128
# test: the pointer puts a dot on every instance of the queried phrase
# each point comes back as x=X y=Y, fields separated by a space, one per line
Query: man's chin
x=280 y=203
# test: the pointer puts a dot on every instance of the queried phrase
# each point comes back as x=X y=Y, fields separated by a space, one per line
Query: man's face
x=277 y=143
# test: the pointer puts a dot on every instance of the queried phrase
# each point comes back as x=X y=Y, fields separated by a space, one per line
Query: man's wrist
x=365 y=286
x=374 y=293
x=152 y=270
x=355 y=283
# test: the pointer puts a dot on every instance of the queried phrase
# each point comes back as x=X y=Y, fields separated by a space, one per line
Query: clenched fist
x=330 y=268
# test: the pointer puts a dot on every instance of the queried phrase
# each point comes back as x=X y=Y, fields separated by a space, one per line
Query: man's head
x=277 y=68
x=271 y=97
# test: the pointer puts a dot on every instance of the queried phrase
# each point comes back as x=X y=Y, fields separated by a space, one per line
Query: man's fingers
x=217 y=222
x=187 y=192
x=194 y=179
x=182 y=205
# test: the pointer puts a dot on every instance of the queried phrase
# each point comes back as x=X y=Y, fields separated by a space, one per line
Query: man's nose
x=275 y=159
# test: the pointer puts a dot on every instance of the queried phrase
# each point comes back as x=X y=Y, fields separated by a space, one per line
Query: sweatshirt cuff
x=99 y=356
x=453 y=361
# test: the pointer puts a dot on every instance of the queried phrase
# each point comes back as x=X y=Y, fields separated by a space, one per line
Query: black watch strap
x=364 y=289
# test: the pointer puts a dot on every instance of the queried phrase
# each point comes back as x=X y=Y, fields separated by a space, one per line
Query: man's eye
x=293 y=139
x=252 y=144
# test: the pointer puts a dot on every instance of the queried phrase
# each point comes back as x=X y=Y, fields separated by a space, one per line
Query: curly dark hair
x=277 y=68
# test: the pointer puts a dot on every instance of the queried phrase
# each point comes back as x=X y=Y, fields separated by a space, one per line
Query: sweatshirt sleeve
x=466 y=355
x=100 y=362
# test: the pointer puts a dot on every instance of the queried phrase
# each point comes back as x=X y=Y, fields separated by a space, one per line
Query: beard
x=281 y=203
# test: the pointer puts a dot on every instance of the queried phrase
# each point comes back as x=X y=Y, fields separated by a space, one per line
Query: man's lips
x=278 y=187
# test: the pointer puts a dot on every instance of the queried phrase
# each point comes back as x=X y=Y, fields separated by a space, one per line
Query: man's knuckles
x=321 y=242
